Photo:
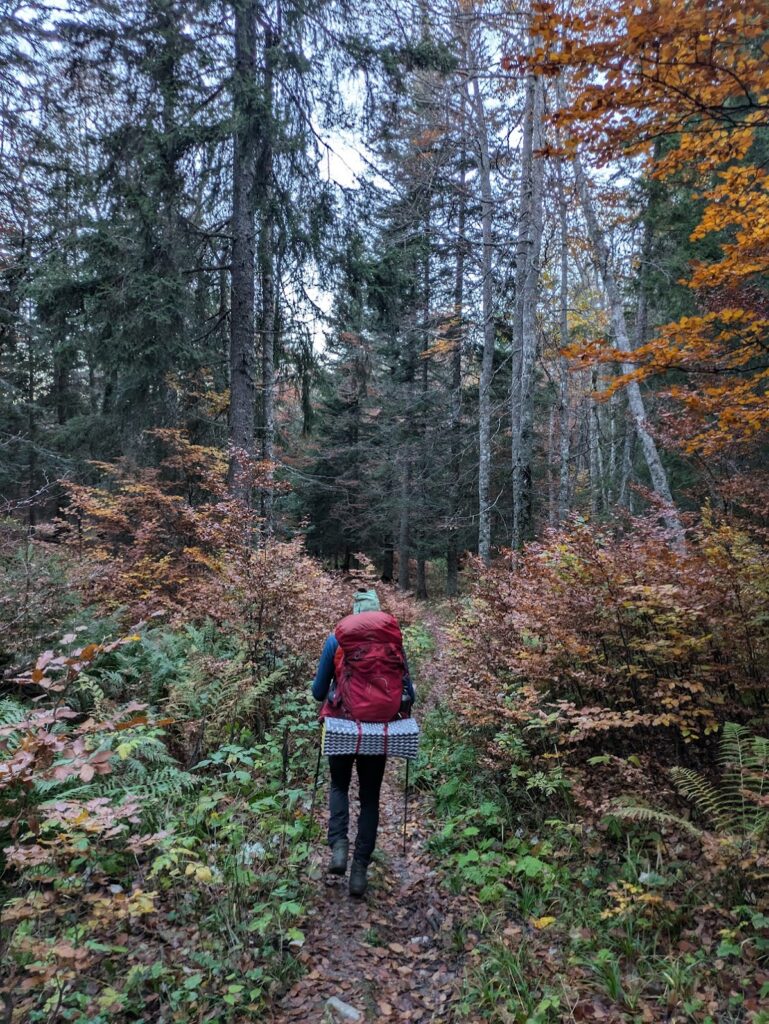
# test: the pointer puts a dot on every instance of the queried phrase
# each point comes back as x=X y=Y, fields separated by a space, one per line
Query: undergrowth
x=177 y=889
x=586 y=918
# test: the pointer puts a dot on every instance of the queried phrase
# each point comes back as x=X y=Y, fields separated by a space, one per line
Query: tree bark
x=404 y=578
x=564 y=437
x=602 y=258
x=597 y=503
x=267 y=276
x=387 y=560
x=455 y=471
x=525 y=325
x=552 y=485
x=424 y=466
x=245 y=149
x=487 y=362
x=624 y=493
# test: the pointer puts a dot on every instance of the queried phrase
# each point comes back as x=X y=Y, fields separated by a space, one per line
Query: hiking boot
x=358 y=880
x=339 y=851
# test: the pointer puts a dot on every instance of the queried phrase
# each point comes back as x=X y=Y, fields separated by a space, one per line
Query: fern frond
x=721 y=806
x=161 y=787
x=652 y=816
x=12 y=711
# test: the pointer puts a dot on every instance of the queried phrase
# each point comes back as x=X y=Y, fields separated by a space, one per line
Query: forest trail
x=391 y=955
x=398 y=954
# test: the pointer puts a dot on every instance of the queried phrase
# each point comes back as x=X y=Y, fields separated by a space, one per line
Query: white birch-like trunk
x=636 y=405
x=525 y=327
x=452 y=545
x=563 y=368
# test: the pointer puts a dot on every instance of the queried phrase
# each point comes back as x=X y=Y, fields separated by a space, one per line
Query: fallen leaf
x=542 y=922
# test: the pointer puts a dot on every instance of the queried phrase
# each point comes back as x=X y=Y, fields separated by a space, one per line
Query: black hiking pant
x=370 y=774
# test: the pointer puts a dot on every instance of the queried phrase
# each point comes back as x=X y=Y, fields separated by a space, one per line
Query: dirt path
x=392 y=955
x=398 y=954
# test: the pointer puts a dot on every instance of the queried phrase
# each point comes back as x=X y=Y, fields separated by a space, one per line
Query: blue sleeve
x=407 y=681
x=325 y=673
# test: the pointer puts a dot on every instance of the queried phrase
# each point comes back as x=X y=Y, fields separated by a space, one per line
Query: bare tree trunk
x=421 y=593
x=593 y=450
x=525 y=325
x=624 y=494
x=552 y=476
x=487 y=361
x=611 y=481
x=242 y=341
x=404 y=577
x=424 y=465
x=267 y=331
x=564 y=437
x=387 y=560
x=457 y=330
x=267 y=275
x=622 y=342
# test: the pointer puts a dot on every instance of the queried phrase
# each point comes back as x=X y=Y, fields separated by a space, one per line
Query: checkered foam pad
x=341 y=736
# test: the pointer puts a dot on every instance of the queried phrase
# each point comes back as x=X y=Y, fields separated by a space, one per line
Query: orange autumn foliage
x=615 y=642
x=174 y=541
x=697 y=75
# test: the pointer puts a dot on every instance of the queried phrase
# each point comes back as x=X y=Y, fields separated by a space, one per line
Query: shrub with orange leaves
x=173 y=540
x=607 y=641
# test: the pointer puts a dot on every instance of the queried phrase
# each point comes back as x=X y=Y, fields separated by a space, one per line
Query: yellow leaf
x=542 y=922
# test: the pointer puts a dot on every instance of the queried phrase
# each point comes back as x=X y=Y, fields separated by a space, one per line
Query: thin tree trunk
x=404 y=578
x=267 y=274
x=593 y=450
x=563 y=367
x=31 y=429
x=487 y=362
x=388 y=558
x=611 y=481
x=602 y=258
x=552 y=485
x=242 y=341
x=525 y=326
x=421 y=589
x=624 y=494
x=422 y=594
x=457 y=330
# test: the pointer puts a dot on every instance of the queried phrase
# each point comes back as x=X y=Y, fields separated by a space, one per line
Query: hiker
x=365 y=646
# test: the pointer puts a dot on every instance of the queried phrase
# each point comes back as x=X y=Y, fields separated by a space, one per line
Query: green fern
x=86 y=695
x=154 y=789
x=11 y=711
x=716 y=805
x=143 y=768
x=733 y=806
x=652 y=816
x=222 y=693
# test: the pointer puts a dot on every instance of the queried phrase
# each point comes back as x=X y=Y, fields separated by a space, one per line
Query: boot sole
x=338 y=871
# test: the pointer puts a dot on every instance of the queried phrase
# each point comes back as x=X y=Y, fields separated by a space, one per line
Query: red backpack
x=369 y=667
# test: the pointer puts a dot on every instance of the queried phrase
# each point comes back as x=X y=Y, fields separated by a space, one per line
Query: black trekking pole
x=405 y=805
x=317 y=776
